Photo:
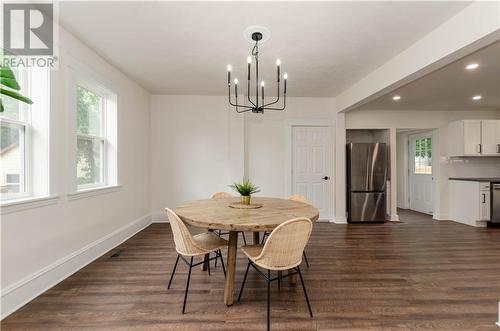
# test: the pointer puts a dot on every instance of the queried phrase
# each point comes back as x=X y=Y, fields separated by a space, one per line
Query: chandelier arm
x=282 y=108
x=276 y=101
x=243 y=111
x=235 y=104
x=256 y=55
x=248 y=93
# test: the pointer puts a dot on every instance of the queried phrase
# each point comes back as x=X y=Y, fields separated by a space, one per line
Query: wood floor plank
x=416 y=275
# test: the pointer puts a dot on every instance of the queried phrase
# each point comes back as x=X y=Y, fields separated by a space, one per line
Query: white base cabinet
x=469 y=202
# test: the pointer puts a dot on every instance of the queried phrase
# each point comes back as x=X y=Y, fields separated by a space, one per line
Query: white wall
x=191 y=140
x=200 y=145
x=418 y=119
x=42 y=245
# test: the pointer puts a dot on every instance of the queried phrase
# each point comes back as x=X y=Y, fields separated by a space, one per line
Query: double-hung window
x=91 y=138
x=95 y=125
x=15 y=129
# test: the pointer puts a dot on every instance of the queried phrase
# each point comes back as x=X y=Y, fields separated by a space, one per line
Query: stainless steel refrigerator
x=366 y=182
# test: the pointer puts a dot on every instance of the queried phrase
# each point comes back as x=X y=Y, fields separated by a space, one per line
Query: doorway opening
x=417 y=169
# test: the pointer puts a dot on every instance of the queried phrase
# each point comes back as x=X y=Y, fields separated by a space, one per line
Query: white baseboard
x=159 y=217
x=339 y=220
x=21 y=292
x=440 y=217
x=393 y=218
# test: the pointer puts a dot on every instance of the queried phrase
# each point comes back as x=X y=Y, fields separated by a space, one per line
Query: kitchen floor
x=419 y=274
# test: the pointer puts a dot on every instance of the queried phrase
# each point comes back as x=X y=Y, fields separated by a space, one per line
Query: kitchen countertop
x=478 y=179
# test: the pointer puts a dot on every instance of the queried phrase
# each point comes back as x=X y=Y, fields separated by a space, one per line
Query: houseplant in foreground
x=245 y=189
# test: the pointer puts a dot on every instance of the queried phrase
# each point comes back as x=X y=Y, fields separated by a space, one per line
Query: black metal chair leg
x=222 y=262
x=244 y=280
x=244 y=238
x=268 y=299
x=187 y=285
x=173 y=272
x=305 y=292
x=264 y=238
x=305 y=258
x=208 y=264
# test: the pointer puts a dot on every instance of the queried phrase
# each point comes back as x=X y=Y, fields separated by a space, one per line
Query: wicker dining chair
x=298 y=198
x=282 y=251
x=190 y=246
x=223 y=195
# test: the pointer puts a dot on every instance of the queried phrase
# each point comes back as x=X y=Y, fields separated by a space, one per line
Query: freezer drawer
x=366 y=207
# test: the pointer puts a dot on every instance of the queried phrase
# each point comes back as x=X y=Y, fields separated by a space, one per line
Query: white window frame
x=102 y=138
x=78 y=74
x=24 y=122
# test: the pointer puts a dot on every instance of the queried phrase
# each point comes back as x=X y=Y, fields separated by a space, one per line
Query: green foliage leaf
x=6 y=72
x=1 y=106
x=246 y=188
x=16 y=96
x=9 y=82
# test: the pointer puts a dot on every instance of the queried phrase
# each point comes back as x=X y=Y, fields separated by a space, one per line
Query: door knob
x=326 y=178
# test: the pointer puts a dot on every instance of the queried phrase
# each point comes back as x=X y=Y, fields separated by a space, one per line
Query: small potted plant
x=245 y=189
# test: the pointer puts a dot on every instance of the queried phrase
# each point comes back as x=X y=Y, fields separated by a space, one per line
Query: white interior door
x=311 y=166
x=420 y=173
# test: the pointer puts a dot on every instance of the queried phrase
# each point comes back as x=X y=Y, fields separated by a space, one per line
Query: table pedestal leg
x=231 y=266
x=256 y=238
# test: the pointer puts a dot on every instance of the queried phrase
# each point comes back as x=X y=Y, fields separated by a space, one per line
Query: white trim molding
x=339 y=220
x=93 y=191
x=21 y=292
x=440 y=217
x=8 y=207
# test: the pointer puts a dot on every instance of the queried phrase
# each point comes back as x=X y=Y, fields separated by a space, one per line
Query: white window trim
x=79 y=75
x=90 y=192
x=25 y=176
x=11 y=206
x=35 y=120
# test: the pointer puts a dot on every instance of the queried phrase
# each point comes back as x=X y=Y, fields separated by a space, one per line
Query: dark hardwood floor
x=416 y=275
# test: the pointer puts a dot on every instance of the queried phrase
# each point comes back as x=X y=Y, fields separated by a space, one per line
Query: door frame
x=433 y=133
x=310 y=122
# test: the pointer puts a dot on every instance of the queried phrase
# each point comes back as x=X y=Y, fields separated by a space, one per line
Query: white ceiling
x=184 y=47
x=451 y=87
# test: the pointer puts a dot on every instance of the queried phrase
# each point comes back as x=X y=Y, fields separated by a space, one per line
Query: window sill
x=90 y=192
x=11 y=206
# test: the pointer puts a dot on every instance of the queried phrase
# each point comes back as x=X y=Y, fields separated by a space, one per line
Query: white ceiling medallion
x=248 y=32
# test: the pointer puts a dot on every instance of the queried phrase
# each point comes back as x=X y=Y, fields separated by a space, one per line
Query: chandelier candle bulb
x=285 y=76
x=278 y=65
x=262 y=88
x=229 y=75
x=236 y=87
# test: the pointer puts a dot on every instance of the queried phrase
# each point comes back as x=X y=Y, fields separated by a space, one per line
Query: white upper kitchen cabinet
x=490 y=137
x=474 y=138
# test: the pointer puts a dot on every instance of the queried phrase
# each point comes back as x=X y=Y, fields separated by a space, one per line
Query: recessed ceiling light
x=472 y=66
x=477 y=97
x=396 y=97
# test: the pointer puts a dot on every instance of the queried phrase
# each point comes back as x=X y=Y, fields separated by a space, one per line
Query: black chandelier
x=254 y=106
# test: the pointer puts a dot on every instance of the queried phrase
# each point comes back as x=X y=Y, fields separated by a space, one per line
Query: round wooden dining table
x=216 y=214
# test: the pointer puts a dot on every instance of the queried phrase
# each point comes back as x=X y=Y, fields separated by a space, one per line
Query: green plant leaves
x=9 y=82
x=245 y=188
x=7 y=79
x=6 y=72
x=16 y=96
